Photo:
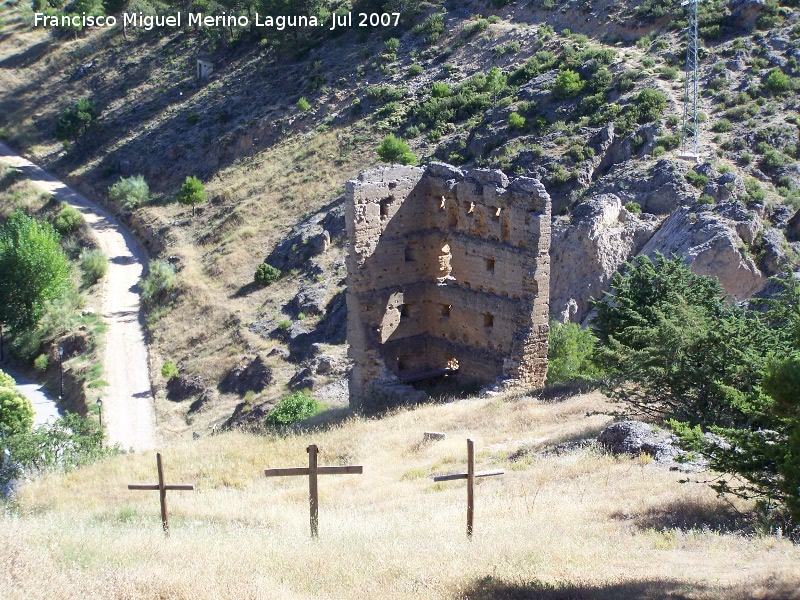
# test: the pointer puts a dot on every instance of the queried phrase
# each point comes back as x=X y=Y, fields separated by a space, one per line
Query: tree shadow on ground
x=688 y=515
x=489 y=588
x=27 y=57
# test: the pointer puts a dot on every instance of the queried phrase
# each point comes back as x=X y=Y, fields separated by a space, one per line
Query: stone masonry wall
x=448 y=272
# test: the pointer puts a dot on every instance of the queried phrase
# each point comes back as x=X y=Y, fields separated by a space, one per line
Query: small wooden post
x=312 y=471
x=470 y=486
x=162 y=493
x=470 y=476
x=313 y=494
x=162 y=488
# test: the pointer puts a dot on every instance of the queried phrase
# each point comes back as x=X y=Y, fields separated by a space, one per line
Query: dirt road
x=128 y=415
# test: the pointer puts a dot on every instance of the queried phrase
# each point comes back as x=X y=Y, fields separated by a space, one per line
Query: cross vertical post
x=313 y=494
x=313 y=471
x=470 y=486
x=470 y=476
x=162 y=493
x=162 y=487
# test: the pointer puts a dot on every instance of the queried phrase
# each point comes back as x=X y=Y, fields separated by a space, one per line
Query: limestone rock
x=660 y=192
x=727 y=186
x=635 y=437
x=793 y=228
x=745 y=12
x=183 y=387
x=773 y=244
x=310 y=238
x=254 y=376
x=311 y=300
x=587 y=251
x=712 y=246
x=207 y=397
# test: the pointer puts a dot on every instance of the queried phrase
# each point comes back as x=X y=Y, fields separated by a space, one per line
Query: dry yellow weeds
x=578 y=525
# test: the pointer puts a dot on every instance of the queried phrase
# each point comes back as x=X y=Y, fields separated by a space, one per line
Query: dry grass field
x=580 y=524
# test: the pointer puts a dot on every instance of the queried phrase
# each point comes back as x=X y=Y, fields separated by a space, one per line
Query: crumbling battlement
x=448 y=273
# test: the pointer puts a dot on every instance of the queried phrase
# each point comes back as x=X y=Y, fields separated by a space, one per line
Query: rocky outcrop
x=183 y=387
x=254 y=376
x=659 y=192
x=588 y=248
x=793 y=228
x=310 y=238
x=634 y=438
x=711 y=242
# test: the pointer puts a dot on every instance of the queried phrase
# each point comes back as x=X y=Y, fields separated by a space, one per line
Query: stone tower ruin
x=448 y=274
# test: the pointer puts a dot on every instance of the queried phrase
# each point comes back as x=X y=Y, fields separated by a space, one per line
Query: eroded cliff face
x=587 y=248
x=742 y=245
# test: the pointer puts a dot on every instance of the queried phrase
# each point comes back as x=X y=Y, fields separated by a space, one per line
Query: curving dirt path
x=128 y=415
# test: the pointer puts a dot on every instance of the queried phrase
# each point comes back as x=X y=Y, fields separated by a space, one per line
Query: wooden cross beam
x=162 y=489
x=312 y=471
x=470 y=476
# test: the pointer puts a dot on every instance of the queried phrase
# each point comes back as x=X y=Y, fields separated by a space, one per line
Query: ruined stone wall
x=448 y=272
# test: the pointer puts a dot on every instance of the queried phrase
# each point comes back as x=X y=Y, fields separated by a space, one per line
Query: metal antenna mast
x=690 y=93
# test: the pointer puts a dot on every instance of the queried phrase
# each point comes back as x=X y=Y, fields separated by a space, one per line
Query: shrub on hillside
x=41 y=362
x=516 y=121
x=266 y=274
x=65 y=444
x=650 y=105
x=722 y=126
x=415 y=70
x=291 y=409
x=6 y=380
x=778 y=82
x=158 y=283
x=130 y=192
x=303 y=104
x=68 y=220
x=568 y=84
x=169 y=370
x=395 y=150
x=432 y=27
x=698 y=180
x=391 y=45
x=94 y=265
x=440 y=90
x=773 y=159
x=33 y=271
x=76 y=119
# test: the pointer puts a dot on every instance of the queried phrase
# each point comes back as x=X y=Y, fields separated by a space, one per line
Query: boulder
x=254 y=376
x=744 y=13
x=727 y=186
x=311 y=300
x=182 y=387
x=635 y=437
x=309 y=238
x=207 y=397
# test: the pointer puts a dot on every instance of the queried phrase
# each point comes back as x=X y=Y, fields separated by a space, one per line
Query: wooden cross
x=312 y=471
x=470 y=476
x=162 y=489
